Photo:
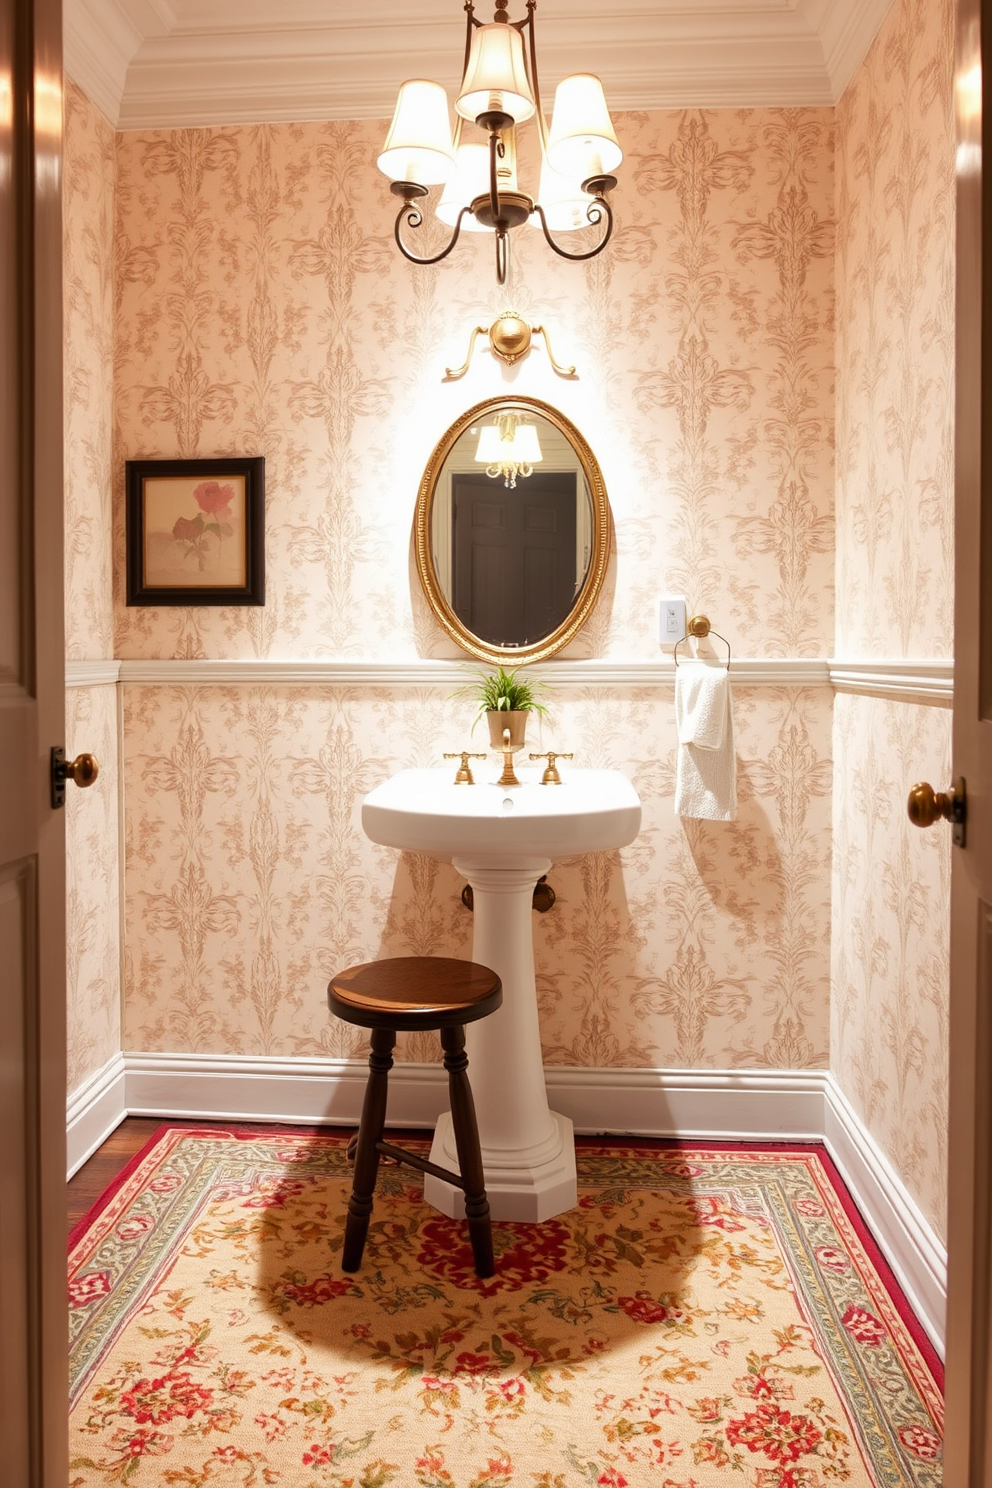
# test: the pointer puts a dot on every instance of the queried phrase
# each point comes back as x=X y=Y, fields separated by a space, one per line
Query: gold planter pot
x=515 y=720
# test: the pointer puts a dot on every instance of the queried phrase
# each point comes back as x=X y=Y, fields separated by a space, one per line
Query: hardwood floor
x=96 y=1175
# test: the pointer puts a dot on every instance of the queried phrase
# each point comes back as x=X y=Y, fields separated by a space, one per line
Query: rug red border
x=246 y=1131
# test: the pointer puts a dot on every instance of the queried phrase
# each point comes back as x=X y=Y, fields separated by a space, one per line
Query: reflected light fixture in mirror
x=512 y=558
x=509 y=448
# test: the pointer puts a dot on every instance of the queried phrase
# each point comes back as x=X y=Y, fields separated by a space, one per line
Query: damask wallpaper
x=264 y=309
x=88 y=298
x=93 y=887
x=93 y=869
x=250 y=880
x=895 y=514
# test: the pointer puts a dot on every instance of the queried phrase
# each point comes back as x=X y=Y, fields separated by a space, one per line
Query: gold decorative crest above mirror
x=512 y=531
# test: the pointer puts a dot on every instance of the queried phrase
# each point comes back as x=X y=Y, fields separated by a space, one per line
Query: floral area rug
x=706 y=1316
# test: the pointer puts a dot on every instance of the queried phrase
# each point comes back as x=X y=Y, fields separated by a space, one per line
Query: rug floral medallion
x=702 y=1317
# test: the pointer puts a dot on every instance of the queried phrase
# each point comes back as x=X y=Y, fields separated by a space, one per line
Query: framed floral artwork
x=196 y=532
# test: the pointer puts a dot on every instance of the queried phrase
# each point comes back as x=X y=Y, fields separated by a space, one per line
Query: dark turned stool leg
x=366 y=1157
x=469 y=1155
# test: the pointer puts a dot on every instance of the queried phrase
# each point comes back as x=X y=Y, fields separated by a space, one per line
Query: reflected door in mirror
x=513 y=571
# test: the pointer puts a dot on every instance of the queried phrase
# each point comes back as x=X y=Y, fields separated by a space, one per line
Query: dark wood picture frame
x=212 y=502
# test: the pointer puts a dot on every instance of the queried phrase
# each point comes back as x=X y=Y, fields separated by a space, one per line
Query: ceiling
x=160 y=63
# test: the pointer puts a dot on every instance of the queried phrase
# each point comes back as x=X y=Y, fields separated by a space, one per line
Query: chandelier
x=508 y=448
x=500 y=90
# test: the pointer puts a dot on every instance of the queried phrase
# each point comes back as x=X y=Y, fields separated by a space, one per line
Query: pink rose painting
x=194 y=532
x=202 y=538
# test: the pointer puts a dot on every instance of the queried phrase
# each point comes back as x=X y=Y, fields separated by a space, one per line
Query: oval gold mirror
x=512 y=531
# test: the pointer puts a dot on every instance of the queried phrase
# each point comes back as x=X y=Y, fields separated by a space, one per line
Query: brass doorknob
x=926 y=806
x=83 y=770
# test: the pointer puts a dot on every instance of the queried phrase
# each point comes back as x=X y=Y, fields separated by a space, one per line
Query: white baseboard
x=728 y=1105
x=93 y=1111
x=722 y=1105
x=754 y=1106
x=909 y=1244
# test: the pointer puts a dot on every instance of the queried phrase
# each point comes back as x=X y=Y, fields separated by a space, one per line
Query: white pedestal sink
x=502 y=839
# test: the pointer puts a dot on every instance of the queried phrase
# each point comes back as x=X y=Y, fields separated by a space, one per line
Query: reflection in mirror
x=512 y=530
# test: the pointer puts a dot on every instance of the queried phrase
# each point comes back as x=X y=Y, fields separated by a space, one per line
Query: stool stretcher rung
x=414 y=1160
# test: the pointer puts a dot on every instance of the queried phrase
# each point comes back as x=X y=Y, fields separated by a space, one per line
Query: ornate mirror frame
x=589 y=593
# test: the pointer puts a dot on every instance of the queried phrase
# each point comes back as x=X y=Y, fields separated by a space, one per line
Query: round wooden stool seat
x=414 y=993
x=417 y=993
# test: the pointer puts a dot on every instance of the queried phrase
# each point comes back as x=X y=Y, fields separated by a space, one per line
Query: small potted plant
x=505 y=701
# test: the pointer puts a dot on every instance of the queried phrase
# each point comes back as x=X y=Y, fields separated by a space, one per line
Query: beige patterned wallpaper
x=92 y=887
x=88 y=262
x=890 y=942
x=91 y=713
x=250 y=880
x=895 y=341
x=263 y=308
x=895 y=387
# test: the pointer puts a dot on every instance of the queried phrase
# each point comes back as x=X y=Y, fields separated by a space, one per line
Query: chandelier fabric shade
x=583 y=142
x=565 y=203
x=468 y=180
x=499 y=91
x=418 y=145
x=496 y=78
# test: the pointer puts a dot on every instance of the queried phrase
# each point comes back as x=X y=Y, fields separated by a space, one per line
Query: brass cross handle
x=926 y=806
x=551 y=776
x=463 y=775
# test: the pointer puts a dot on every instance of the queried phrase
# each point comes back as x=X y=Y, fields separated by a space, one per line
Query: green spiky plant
x=503 y=692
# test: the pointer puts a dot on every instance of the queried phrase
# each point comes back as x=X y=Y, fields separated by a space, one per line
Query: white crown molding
x=846 y=34
x=92 y=673
x=733 y=1105
x=928 y=682
x=175 y=63
x=99 y=42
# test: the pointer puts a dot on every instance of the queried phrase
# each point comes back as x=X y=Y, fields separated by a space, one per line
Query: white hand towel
x=703 y=692
x=706 y=766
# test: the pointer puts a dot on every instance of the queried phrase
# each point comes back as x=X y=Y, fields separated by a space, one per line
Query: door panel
x=968 y=1437
x=33 y=1366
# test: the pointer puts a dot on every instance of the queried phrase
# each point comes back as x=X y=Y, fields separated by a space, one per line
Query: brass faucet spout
x=508 y=776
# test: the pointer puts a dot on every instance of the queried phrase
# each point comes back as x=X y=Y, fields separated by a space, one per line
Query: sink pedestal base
x=528 y=1152
x=529 y=1188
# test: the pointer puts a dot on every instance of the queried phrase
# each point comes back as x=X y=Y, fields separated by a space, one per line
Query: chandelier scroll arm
x=598 y=210
x=539 y=330
x=411 y=215
x=452 y=374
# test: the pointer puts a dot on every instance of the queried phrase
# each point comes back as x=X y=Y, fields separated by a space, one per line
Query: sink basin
x=424 y=811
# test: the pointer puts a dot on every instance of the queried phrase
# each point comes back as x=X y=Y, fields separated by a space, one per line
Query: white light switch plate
x=671 y=620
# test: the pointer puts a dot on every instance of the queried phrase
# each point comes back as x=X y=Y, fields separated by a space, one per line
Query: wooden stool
x=415 y=994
